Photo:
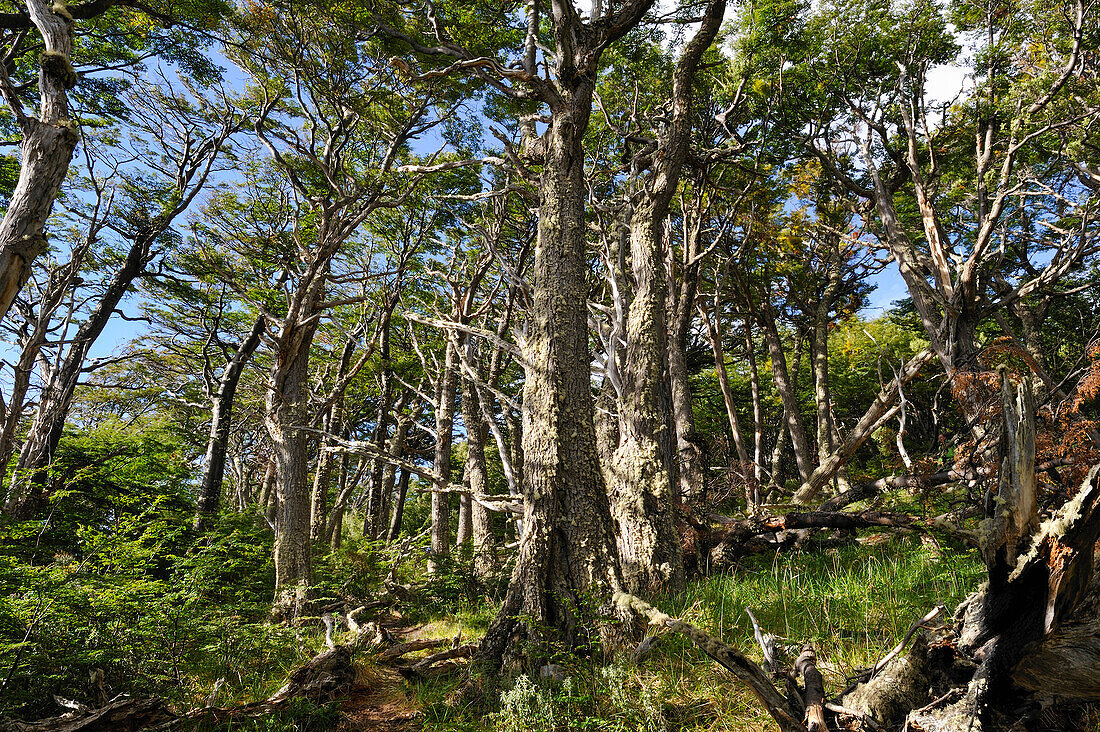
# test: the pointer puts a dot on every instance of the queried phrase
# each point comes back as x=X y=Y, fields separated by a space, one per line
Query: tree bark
x=402 y=492
x=692 y=483
x=29 y=480
x=785 y=386
x=757 y=407
x=287 y=412
x=45 y=153
x=715 y=334
x=217 y=444
x=880 y=410
x=643 y=490
x=476 y=478
x=567 y=567
x=446 y=390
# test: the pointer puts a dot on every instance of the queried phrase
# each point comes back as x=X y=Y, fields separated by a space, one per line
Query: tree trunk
x=757 y=407
x=29 y=480
x=318 y=499
x=785 y=386
x=692 y=484
x=715 y=334
x=446 y=389
x=476 y=478
x=643 y=494
x=45 y=153
x=286 y=414
x=398 y=506
x=221 y=416
x=880 y=410
x=567 y=567
x=372 y=524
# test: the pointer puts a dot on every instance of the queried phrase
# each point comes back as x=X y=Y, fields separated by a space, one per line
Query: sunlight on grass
x=852 y=603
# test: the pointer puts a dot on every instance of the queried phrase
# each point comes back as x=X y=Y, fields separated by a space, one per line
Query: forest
x=523 y=366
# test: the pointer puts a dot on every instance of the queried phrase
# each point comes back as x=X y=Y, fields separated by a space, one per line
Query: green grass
x=853 y=603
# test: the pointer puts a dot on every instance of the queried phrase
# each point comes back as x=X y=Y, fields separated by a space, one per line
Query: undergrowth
x=853 y=603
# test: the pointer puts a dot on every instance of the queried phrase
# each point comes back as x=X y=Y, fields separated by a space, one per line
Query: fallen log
x=123 y=715
x=321 y=679
x=726 y=655
x=401 y=649
x=738 y=534
x=814 y=698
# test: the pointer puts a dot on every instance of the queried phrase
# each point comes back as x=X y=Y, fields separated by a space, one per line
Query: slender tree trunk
x=692 y=480
x=29 y=481
x=31 y=344
x=715 y=333
x=880 y=410
x=476 y=478
x=372 y=524
x=785 y=386
x=221 y=417
x=398 y=506
x=757 y=406
x=444 y=427
x=318 y=501
x=334 y=527
x=752 y=496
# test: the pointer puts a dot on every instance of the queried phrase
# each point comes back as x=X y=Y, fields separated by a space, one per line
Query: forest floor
x=853 y=602
x=379 y=702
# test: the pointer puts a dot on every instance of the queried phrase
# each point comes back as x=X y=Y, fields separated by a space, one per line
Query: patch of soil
x=377 y=703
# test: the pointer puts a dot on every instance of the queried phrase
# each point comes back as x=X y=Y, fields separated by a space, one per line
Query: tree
x=190 y=138
x=50 y=138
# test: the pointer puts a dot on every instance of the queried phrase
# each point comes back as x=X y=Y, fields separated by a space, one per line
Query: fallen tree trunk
x=728 y=656
x=1031 y=635
x=814 y=698
x=124 y=715
x=738 y=534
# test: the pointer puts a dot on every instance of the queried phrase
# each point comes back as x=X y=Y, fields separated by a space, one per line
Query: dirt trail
x=377 y=703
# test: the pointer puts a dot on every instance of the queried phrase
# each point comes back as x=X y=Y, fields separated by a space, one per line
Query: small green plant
x=526 y=707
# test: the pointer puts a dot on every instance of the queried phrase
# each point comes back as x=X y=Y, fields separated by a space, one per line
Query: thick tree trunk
x=641 y=486
x=45 y=153
x=286 y=413
x=643 y=492
x=221 y=416
x=567 y=567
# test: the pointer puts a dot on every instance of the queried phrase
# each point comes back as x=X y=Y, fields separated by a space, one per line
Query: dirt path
x=377 y=703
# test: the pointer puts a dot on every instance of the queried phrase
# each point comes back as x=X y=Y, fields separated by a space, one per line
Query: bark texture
x=643 y=491
x=45 y=153
x=567 y=566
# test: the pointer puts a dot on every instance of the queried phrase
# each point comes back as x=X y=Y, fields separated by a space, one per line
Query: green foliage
x=114 y=579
